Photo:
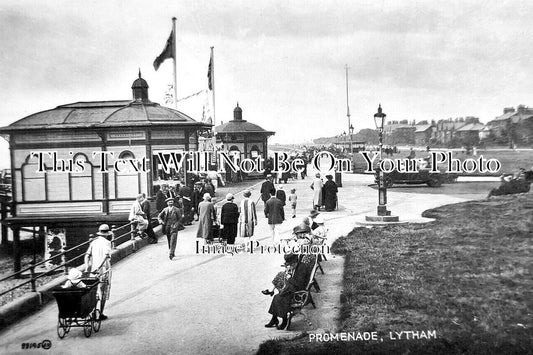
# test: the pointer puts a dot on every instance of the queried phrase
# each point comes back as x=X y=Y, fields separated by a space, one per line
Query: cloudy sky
x=283 y=61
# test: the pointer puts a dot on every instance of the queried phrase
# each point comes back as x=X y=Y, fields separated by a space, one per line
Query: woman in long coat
x=330 y=194
x=248 y=216
x=206 y=212
x=317 y=187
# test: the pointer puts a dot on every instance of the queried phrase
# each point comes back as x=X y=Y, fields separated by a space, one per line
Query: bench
x=303 y=297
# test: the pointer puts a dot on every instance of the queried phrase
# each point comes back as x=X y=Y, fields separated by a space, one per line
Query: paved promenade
x=212 y=304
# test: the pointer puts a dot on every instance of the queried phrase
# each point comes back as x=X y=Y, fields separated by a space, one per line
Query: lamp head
x=379 y=118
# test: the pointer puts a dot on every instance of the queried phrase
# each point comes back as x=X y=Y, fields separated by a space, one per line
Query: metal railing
x=33 y=277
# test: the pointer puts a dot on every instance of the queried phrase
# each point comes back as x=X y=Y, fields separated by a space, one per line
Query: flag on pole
x=210 y=73
x=167 y=53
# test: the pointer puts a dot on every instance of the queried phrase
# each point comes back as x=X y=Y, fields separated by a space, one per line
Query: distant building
x=516 y=125
x=424 y=133
x=84 y=192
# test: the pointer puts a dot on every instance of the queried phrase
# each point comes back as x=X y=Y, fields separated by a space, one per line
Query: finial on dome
x=139 y=73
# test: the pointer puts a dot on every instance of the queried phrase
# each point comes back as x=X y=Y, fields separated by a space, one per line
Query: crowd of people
x=179 y=206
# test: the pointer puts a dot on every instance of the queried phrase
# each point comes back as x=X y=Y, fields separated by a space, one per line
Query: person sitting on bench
x=281 y=302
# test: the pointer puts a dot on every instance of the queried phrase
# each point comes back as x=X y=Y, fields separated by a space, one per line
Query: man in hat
x=170 y=218
x=161 y=196
x=267 y=189
x=275 y=214
x=229 y=219
x=98 y=261
x=137 y=215
x=206 y=217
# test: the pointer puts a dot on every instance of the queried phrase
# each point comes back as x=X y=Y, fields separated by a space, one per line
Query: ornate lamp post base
x=385 y=219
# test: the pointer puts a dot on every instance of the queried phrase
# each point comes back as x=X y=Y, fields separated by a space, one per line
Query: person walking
x=170 y=219
x=267 y=189
x=276 y=215
x=207 y=215
x=229 y=219
x=316 y=186
x=248 y=216
x=98 y=261
x=293 y=200
x=160 y=197
x=330 y=194
x=281 y=195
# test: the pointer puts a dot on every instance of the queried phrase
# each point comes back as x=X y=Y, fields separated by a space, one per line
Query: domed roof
x=241 y=126
x=139 y=82
x=238 y=125
x=100 y=114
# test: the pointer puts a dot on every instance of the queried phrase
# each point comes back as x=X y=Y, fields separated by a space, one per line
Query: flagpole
x=175 y=63
x=213 y=84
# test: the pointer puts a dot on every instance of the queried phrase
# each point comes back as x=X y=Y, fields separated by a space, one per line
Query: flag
x=167 y=53
x=210 y=73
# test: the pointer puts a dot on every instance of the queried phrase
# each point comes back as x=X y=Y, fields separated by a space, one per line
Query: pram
x=77 y=308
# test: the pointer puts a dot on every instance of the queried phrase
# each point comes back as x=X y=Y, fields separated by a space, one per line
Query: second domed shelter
x=242 y=138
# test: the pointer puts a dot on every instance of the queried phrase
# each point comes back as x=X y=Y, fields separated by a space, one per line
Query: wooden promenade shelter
x=72 y=140
x=243 y=138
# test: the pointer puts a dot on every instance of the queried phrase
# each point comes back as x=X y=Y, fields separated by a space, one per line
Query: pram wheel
x=88 y=325
x=62 y=327
x=97 y=322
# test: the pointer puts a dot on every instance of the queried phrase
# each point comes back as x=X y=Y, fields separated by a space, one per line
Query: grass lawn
x=468 y=276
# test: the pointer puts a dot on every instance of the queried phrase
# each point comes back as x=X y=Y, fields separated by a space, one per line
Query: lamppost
x=351 y=134
x=344 y=141
x=382 y=214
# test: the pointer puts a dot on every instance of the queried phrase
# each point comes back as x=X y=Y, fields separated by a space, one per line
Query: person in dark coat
x=267 y=189
x=281 y=302
x=161 y=196
x=209 y=187
x=170 y=218
x=229 y=219
x=186 y=197
x=330 y=194
x=145 y=206
x=196 y=198
x=276 y=215
x=280 y=194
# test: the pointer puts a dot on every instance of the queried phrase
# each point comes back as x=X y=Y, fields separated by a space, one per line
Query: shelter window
x=82 y=182
x=127 y=181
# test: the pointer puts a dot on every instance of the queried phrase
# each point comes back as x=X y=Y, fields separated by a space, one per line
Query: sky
x=282 y=61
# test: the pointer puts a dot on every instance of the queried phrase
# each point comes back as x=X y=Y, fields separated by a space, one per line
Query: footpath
x=212 y=303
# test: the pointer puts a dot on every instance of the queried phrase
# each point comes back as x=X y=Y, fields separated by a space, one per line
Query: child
x=292 y=200
x=74 y=279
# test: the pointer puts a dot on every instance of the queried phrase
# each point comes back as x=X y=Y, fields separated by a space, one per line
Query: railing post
x=113 y=229
x=32 y=274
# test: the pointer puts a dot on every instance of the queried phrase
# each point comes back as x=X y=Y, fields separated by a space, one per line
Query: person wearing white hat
x=206 y=217
x=98 y=261
x=74 y=279
x=229 y=219
x=320 y=231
